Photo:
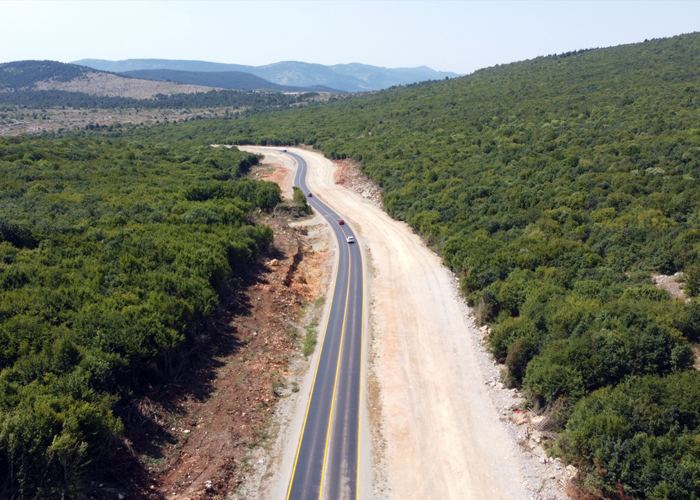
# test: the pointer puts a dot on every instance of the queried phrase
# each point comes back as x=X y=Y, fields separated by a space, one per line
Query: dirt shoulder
x=444 y=429
x=217 y=430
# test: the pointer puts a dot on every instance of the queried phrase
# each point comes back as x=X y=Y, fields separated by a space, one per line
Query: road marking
x=335 y=382
x=362 y=355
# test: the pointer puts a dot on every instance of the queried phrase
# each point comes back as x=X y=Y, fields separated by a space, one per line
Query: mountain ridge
x=351 y=77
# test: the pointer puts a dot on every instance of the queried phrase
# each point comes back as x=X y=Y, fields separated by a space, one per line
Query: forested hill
x=21 y=75
x=113 y=256
x=556 y=188
x=236 y=80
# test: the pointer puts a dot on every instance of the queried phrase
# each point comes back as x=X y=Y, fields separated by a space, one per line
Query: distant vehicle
x=341 y=222
x=309 y=195
x=284 y=150
x=351 y=239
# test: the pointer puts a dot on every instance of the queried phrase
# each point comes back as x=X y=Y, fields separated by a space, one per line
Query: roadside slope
x=444 y=438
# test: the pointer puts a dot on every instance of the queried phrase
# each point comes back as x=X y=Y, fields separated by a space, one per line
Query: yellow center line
x=335 y=382
x=313 y=384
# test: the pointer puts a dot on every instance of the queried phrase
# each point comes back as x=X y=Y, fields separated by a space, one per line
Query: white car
x=351 y=239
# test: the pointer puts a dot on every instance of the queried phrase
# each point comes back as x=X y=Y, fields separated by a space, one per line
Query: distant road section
x=327 y=458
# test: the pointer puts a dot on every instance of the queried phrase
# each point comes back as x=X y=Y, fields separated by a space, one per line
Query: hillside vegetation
x=235 y=80
x=113 y=254
x=555 y=188
x=25 y=74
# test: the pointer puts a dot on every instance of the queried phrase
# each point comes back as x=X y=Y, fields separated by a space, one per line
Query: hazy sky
x=459 y=36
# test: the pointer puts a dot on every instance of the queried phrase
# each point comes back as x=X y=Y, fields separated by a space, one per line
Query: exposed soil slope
x=210 y=427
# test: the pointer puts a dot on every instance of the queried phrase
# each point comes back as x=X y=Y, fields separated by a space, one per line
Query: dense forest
x=113 y=254
x=250 y=101
x=20 y=75
x=555 y=188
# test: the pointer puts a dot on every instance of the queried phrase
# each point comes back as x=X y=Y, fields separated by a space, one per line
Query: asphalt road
x=327 y=460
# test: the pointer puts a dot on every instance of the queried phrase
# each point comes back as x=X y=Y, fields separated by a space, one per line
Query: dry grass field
x=17 y=121
x=111 y=85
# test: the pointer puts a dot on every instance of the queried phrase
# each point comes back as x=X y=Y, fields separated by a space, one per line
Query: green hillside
x=555 y=188
x=20 y=75
x=113 y=254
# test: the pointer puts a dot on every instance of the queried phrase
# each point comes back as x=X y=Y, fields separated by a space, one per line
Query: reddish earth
x=197 y=433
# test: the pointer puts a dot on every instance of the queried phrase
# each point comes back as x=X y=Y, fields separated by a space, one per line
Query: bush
x=625 y=438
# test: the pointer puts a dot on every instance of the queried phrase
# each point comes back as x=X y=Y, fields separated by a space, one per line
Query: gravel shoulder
x=443 y=429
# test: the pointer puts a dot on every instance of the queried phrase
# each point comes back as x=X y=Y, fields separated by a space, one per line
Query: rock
x=520 y=420
x=208 y=486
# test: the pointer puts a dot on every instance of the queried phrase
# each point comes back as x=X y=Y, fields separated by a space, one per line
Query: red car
x=341 y=222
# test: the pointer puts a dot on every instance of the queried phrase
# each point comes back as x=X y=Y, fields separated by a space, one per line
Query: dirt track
x=444 y=436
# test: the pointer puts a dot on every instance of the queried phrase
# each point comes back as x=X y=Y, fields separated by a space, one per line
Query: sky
x=457 y=36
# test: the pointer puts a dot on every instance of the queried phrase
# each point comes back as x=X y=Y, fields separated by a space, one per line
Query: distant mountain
x=22 y=75
x=353 y=77
x=180 y=65
x=382 y=78
x=49 y=84
x=36 y=76
x=236 y=80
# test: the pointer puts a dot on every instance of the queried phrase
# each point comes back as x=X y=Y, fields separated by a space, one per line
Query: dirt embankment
x=211 y=429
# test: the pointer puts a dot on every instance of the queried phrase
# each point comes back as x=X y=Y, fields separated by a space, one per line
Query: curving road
x=327 y=459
